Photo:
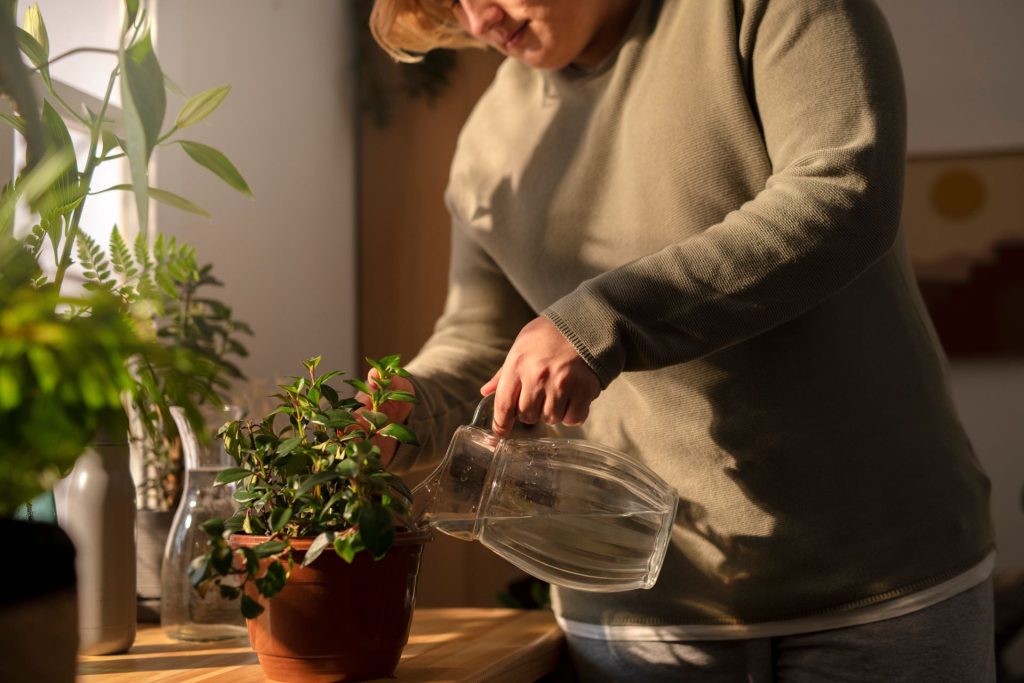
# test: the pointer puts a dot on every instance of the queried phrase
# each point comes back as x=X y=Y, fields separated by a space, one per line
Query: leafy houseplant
x=317 y=505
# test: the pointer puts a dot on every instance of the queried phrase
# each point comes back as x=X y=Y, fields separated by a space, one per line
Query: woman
x=676 y=224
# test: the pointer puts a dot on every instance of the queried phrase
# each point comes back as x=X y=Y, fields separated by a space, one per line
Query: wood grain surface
x=445 y=646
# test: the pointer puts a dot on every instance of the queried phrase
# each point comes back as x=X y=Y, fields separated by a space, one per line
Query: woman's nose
x=481 y=16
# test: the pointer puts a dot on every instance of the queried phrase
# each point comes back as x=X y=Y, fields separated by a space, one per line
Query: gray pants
x=951 y=641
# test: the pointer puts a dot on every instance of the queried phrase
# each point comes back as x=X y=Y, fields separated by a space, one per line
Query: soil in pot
x=335 y=621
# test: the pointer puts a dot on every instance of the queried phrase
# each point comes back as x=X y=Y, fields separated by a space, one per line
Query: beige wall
x=287 y=257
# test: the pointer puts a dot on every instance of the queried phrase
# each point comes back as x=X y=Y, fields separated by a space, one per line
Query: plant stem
x=77 y=50
x=90 y=165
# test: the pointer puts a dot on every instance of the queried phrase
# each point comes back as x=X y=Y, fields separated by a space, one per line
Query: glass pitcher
x=184 y=614
x=569 y=512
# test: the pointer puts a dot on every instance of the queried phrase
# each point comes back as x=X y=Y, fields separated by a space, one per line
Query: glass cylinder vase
x=184 y=613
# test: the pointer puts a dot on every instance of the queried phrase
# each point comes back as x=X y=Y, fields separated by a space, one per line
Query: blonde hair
x=407 y=29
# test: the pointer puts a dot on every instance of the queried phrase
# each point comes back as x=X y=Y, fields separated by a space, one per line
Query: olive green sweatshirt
x=711 y=218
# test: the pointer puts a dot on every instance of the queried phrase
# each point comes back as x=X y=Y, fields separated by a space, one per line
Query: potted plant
x=323 y=529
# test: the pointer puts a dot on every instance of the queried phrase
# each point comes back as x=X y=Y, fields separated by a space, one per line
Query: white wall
x=962 y=62
x=287 y=257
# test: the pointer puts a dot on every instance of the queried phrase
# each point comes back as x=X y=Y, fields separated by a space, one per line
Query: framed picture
x=964 y=219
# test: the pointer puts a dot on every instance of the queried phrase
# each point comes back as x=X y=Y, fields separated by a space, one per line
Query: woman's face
x=547 y=34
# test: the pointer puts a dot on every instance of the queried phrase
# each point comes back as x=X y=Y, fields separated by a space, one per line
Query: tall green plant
x=141 y=81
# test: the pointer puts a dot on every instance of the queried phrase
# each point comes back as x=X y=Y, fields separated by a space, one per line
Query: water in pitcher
x=572 y=513
x=600 y=552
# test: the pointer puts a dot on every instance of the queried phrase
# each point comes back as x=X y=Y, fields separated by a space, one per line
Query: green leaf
x=232 y=474
x=215 y=161
x=214 y=527
x=229 y=592
x=10 y=393
x=220 y=560
x=279 y=518
x=200 y=106
x=56 y=128
x=289 y=445
x=315 y=480
x=376 y=528
x=234 y=523
x=318 y=545
x=347 y=468
x=400 y=433
x=35 y=52
x=347 y=546
x=359 y=385
x=121 y=256
x=296 y=463
x=340 y=418
x=269 y=548
x=378 y=420
x=164 y=197
x=144 y=103
x=36 y=28
x=45 y=367
x=250 y=608
x=246 y=496
x=15 y=121
x=273 y=581
x=144 y=82
x=110 y=141
x=131 y=10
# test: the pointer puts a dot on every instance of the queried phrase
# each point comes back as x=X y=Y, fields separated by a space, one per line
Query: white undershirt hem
x=889 y=609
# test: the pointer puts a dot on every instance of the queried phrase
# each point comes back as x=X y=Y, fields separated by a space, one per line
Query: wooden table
x=445 y=646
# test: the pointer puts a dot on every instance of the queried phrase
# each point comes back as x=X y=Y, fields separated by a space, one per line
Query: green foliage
x=199 y=331
x=61 y=376
x=145 y=103
x=158 y=285
x=309 y=469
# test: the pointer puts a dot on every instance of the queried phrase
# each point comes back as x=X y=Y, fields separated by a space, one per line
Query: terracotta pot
x=335 y=621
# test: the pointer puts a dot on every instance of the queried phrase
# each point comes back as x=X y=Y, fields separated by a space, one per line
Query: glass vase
x=184 y=614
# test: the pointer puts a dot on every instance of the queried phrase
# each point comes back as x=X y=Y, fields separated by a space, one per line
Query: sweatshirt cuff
x=592 y=330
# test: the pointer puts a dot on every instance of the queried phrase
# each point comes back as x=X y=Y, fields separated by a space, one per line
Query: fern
x=96 y=268
x=121 y=256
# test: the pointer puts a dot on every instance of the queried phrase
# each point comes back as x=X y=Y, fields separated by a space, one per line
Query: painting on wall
x=964 y=220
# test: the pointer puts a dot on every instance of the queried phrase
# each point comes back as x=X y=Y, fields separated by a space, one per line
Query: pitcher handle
x=483 y=417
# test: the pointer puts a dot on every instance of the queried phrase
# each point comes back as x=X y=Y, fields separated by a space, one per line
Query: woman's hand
x=397 y=412
x=543 y=378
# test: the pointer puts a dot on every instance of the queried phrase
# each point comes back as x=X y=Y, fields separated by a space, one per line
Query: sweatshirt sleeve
x=826 y=86
x=482 y=315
